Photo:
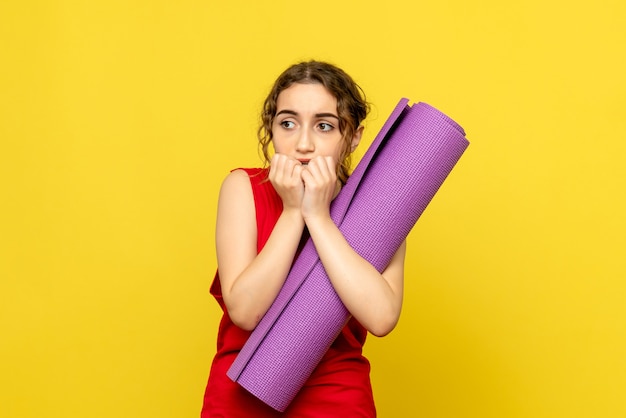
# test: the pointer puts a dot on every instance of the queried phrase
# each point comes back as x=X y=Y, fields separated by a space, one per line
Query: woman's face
x=306 y=123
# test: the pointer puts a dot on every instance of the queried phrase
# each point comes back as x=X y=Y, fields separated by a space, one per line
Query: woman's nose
x=305 y=142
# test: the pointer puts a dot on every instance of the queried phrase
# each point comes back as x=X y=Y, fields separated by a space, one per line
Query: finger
x=311 y=174
x=281 y=169
x=306 y=175
x=275 y=165
x=331 y=164
x=330 y=168
x=323 y=169
x=297 y=172
x=292 y=170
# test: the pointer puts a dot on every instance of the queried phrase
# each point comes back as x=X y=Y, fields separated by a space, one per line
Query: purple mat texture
x=391 y=186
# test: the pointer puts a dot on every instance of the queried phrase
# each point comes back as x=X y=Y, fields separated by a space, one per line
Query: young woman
x=312 y=119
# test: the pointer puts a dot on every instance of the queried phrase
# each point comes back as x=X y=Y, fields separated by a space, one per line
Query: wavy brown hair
x=352 y=107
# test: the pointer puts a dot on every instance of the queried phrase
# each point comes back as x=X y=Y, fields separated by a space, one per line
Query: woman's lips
x=304 y=162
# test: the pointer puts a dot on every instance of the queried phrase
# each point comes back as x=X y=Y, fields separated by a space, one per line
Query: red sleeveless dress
x=339 y=386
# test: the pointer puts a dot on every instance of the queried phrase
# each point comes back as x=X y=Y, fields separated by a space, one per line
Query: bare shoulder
x=237 y=180
x=236 y=187
x=236 y=200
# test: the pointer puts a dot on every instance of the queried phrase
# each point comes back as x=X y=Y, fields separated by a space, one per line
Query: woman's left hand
x=372 y=297
x=320 y=186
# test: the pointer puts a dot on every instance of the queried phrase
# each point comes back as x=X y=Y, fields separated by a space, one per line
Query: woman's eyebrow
x=326 y=115
x=317 y=115
x=287 y=111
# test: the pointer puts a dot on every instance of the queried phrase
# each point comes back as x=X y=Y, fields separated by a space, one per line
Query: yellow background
x=119 y=119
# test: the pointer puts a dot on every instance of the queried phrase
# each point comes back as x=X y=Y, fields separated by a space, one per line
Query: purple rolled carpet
x=391 y=186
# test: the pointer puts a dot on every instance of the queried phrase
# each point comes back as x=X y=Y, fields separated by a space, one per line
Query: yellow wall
x=118 y=120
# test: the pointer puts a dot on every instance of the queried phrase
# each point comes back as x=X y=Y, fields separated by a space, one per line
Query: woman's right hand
x=286 y=177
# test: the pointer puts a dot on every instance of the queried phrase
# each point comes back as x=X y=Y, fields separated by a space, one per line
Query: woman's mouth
x=304 y=162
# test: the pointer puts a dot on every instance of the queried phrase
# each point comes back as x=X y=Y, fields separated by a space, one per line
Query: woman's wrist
x=318 y=220
x=293 y=214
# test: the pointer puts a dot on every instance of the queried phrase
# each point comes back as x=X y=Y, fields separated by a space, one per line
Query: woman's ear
x=356 y=138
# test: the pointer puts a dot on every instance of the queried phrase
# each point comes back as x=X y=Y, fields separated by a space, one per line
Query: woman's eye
x=325 y=126
x=287 y=124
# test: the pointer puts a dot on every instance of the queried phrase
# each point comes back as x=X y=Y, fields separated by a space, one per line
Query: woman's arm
x=374 y=299
x=251 y=282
